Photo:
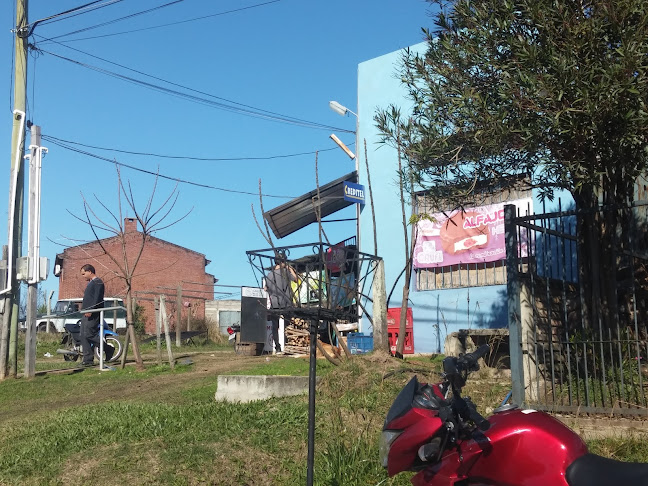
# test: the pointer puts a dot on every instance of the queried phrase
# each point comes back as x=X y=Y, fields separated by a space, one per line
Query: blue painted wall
x=436 y=313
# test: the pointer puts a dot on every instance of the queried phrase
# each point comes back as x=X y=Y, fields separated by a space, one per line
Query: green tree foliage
x=554 y=90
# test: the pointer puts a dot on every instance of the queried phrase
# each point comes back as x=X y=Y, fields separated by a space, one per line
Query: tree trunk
x=131 y=330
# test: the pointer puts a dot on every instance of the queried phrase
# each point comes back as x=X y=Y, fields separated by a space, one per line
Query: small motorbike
x=71 y=343
x=233 y=332
x=433 y=430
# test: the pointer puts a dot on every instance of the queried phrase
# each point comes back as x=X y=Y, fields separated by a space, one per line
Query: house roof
x=300 y=212
x=60 y=257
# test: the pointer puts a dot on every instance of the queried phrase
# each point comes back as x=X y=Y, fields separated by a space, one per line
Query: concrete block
x=247 y=388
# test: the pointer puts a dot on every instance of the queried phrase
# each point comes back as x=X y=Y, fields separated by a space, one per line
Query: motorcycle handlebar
x=456 y=369
x=477 y=418
x=471 y=359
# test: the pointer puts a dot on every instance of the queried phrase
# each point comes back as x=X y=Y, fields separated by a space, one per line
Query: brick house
x=163 y=267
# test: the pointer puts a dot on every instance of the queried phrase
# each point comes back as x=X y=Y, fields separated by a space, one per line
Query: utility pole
x=11 y=295
x=35 y=273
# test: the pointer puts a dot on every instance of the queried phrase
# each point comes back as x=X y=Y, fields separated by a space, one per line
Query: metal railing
x=578 y=334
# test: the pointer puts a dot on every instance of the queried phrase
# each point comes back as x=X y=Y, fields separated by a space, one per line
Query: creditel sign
x=354 y=192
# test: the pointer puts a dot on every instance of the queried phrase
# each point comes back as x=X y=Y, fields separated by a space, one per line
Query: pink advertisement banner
x=475 y=235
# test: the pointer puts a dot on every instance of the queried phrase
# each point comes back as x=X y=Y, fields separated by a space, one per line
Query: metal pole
x=514 y=305
x=32 y=253
x=312 y=377
x=101 y=340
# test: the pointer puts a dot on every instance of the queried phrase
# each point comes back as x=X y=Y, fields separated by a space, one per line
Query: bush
x=139 y=320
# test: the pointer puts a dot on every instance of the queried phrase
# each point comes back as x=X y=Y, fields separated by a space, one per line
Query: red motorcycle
x=432 y=429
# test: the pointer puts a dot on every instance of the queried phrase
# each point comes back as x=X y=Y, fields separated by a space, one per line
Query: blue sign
x=354 y=192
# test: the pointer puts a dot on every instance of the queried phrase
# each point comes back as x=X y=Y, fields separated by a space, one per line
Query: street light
x=343 y=110
x=340 y=109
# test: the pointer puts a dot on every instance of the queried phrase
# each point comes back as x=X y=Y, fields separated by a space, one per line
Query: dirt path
x=163 y=386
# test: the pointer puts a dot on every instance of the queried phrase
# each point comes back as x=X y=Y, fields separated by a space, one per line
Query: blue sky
x=288 y=57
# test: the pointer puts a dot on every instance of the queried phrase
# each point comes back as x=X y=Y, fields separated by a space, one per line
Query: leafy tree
x=553 y=91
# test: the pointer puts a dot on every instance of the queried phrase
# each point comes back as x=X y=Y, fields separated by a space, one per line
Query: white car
x=66 y=311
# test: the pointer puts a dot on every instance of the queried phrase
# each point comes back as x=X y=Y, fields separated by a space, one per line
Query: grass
x=167 y=428
x=286 y=366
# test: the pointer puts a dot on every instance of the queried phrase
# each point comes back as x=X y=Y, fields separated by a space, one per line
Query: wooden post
x=165 y=321
x=380 y=337
x=189 y=317
x=9 y=328
x=158 y=325
x=179 y=316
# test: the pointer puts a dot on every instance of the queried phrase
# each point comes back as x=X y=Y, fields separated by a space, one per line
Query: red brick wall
x=161 y=269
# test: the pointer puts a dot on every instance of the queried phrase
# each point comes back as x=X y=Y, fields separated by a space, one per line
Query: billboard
x=474 y=235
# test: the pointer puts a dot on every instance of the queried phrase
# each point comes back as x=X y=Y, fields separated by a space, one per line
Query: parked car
x=66 y=311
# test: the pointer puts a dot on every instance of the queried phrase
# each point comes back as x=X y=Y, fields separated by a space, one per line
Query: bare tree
x=131 y=244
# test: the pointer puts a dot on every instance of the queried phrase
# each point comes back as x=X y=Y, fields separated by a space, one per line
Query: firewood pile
x=297 y=334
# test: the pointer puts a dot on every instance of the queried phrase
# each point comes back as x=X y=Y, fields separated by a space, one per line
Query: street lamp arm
x=340 y=109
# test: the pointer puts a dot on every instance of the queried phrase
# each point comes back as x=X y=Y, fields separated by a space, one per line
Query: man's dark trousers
x=275 y=332
x=89 y=335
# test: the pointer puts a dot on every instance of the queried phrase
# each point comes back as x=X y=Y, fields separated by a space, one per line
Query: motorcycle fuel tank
x=521 y=448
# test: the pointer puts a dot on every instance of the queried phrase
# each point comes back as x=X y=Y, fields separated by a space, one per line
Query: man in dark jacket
x=93 y=298
x=278 y=285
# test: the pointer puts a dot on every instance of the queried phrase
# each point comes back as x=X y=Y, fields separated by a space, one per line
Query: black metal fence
x=578 y=318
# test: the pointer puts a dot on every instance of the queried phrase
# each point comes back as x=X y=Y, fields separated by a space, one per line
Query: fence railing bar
x=587 y=390
x=552 y=232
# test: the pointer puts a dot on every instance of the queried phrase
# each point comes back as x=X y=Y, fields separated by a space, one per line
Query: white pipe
x=35 y=273
x=101 y=340
x=12 y=208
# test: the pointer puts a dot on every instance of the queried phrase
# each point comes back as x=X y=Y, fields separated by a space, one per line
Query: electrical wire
x=54 y=139
x=234 y=107
x=113 y=21
x=162 y=176
x=170 y=23
x=88 y=7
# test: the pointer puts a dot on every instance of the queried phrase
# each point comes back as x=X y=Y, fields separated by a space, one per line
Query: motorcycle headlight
x=386 y=440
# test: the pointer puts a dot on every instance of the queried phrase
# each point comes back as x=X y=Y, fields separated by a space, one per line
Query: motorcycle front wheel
x=115 y=343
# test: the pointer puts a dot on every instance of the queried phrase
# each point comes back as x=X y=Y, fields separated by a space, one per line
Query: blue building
x=444 y=298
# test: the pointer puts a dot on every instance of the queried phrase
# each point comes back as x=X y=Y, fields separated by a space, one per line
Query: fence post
x=514 y=307
x=178 y=315
x=165 y=322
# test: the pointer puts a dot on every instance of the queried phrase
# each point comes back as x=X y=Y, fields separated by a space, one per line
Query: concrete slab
x=598 y=428
x=247 y=388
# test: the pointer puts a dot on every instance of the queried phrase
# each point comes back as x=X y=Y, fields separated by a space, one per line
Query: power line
x=170 y=23
x=240 y=108
x=136 y=14
x=54 y=139
x=88 y=7
x=157 y=174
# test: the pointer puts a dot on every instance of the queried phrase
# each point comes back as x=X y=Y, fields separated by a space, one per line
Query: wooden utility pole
x=9 y=328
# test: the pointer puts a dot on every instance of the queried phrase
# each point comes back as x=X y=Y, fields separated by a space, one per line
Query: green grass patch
x=173 y=432
x=284 y=365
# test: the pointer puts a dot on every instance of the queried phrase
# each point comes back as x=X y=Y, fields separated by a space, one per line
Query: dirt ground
x=205 y=364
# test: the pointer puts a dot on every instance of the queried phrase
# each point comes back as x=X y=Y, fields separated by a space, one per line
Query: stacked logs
x=297 y=336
